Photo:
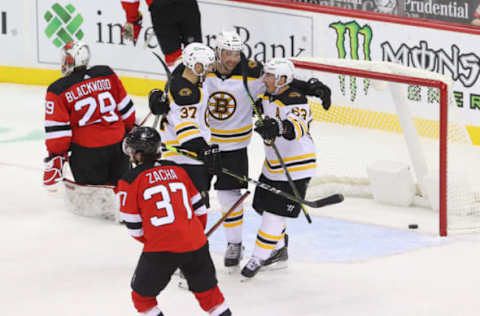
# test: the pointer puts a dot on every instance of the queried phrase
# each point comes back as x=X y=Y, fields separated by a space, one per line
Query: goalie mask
x=145 y=140
x=280 y=67
x=74 y=54
x=198 y=53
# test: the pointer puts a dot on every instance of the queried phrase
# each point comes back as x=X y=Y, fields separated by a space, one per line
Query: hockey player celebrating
x=87 y=112
x=287 y=120
x=184 y=111
x=230 y=120
x=162 y=209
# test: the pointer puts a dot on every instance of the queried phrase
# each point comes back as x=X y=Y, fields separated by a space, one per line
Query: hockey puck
x=412 y=226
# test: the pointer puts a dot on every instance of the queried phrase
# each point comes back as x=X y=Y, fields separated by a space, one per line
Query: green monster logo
x=63 y=25
x=358 y=37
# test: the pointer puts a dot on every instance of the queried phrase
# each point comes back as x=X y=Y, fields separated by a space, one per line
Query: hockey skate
x=251 y=268
x=278 y=258
x=233 y=255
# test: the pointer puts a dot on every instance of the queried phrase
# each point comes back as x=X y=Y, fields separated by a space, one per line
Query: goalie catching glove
x=131 y=29
x=211 y=158
x=53 y=170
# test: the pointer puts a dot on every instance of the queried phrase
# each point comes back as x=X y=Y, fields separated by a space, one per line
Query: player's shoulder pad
x=100 y=71
x=292 y=96
x=184 y=92
x=132 y=174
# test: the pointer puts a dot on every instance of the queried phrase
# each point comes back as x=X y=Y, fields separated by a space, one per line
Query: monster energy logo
x=63 y=25
x=358 y=37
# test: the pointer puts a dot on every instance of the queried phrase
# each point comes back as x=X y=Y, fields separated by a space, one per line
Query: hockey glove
x=317 y=89
x=157 y=104
x=268 y=129
x=131 y=30
x=259 y=107
x=288 y=130
x=211 y=158
x=53 y=171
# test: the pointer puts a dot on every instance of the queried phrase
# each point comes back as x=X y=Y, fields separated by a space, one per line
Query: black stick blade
x=332 y=199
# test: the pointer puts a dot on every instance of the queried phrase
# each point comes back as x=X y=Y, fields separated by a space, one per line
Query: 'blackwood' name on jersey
x=89 y=108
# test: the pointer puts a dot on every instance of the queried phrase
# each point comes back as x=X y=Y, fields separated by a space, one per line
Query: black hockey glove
x=157 y=105
x=211 y=158
x=259 y=107
x=268 y=129
x=288 y=130
x=317 y=89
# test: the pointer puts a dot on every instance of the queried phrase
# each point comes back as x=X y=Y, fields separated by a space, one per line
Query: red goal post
x=384 y=75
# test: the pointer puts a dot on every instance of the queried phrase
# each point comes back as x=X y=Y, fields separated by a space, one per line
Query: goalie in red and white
x=162 y=209
x=87 y=114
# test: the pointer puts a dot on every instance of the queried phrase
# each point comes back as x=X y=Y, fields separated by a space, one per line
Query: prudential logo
x=63 y=24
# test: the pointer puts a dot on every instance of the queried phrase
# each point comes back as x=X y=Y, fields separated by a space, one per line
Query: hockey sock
x=210 y=299
x=143 y=303
x=233 y=223
x=270 y=233
x=281 y=242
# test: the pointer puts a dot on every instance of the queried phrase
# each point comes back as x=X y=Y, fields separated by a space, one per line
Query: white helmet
x=74 y=54
x=229 y=40
x=198 y=53
x=280 y=67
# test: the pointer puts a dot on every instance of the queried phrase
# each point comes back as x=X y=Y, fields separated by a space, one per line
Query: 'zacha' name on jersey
x=161 y=175
x=87 y=88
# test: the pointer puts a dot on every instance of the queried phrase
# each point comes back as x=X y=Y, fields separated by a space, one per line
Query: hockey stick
x=332 y=199
x=165 y=91
x=230 y=211
x=277 y=153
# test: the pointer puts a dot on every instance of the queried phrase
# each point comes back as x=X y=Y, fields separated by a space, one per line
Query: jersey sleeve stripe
x=133 y=226
x=196 y=198
x=130 y=218
x=185 y=129
x=49 y=123
x=184 y=125
x=57 y=128
x=124 y=103
x=201 y=211
x=187 y=136
x=135 y=232
x=58 y=134
x=127 y=111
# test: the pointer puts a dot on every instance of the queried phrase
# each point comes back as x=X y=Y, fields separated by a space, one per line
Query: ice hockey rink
x=356 y=258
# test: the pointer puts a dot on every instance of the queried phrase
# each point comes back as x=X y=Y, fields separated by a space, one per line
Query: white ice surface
x=357 y=258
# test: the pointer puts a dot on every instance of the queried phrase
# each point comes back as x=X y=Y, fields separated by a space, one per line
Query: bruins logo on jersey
x=185 y=92
x=252 y=64
x=221 y=105
x=294 y=94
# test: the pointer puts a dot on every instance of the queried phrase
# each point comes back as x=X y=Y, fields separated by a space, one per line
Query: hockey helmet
x=198 y=53
x=73 y=55
x=142 y=139
x=229 y=40
x=280 y=67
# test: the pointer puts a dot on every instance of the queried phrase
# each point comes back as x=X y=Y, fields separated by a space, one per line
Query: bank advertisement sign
x=266 y=33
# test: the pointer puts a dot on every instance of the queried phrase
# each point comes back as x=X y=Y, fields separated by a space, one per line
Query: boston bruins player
x=231 y=126
x=287 y=119
x=184 y=113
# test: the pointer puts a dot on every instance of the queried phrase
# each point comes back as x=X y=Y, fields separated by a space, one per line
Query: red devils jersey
x=160 y=205
x=89 y=108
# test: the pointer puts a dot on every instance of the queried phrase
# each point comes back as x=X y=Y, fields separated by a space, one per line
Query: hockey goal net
x=395 y=134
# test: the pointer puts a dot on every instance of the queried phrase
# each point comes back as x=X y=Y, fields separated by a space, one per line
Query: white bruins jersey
x=229 y=108
x=186 y=118
x=299 y=153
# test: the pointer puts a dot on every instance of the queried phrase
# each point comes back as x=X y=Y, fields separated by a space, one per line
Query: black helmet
x=142 y=139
